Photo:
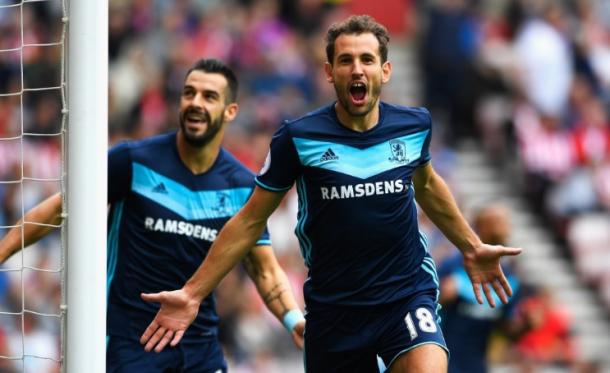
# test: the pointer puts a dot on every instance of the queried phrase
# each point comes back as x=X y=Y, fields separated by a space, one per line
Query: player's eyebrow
x=344 y=55
x=367 y=55
x=212 y=93
x=207 y=92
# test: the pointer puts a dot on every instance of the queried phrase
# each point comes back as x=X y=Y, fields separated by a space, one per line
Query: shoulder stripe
x=189 y=204
x=361 y=163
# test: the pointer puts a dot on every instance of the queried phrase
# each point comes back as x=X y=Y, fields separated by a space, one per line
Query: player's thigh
x=204 y=357
x=127 y=356
x=427 y=358
x=339 y=340
x=412 y=329
x=355 y=361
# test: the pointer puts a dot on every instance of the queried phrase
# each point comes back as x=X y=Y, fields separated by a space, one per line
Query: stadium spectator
x=592 y=134
x=169 y=195
x=549 y=339
x=545 y=60
x=588 y=236
x=449 y=49
x=546 y=150
x=579 y=191
x=467 y=325
x=360 y=163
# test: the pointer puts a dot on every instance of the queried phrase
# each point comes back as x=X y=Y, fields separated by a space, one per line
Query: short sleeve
x=119 y=172
x=282 y=165
x=264 y=239
x=425 y=150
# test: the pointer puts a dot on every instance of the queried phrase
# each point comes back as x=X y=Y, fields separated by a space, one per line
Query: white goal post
x=86 y=197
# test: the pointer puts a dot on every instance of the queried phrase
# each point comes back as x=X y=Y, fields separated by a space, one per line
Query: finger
x=500 y=291
x=164 y=341
x=155 y=339
x=511 y=251
x=488 y=295
x=477 y=292
x=177 y=338
x=298 y=340
x=300 y=328
x=151 y=297
x=149 y=332
x=506 y=285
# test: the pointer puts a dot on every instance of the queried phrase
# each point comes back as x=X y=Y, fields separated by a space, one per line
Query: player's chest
x=360 y=160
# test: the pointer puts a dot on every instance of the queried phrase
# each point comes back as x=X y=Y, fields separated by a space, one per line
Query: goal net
x=43 y=319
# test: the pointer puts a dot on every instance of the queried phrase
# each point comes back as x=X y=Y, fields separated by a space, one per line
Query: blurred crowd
x=529 y=80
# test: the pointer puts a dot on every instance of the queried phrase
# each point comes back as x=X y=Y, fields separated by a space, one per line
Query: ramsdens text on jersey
x=363 y=189
x=180 y=227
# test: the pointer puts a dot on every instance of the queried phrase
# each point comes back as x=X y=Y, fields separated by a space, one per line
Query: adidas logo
x=160 y=188
x=328 y=155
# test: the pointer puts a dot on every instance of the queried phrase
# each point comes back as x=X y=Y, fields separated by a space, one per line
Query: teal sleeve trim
x=267 y=187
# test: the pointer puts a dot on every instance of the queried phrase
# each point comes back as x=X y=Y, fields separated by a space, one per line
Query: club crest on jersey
x=399 y=152
x=221 y=203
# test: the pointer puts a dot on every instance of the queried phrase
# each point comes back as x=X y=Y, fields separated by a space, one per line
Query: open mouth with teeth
x=196 y=117
x=357 y=93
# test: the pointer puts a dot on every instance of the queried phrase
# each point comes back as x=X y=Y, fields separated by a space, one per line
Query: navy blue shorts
x=351 y=339
x=128 y=356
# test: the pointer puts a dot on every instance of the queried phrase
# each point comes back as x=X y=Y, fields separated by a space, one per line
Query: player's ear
x=386 y=72
x=231 y=111
x=328 y=69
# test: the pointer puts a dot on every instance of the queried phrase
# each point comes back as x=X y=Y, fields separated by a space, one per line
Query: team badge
x=399 y=151
x=222 y=200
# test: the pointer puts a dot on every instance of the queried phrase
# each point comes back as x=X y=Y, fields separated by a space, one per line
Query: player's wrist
x=470 y=246
x=191 y=293
x=292 y=318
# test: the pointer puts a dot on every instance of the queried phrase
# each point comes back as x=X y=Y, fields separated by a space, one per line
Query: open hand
x=483 y=268
x=177 y=312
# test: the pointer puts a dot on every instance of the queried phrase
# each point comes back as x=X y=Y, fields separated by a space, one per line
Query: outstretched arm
x=482 y=261
x=273 y=286
x=39 y=222
x=179 y=308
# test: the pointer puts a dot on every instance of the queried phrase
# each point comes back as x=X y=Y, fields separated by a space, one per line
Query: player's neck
x=198 y=159
x=358 y=123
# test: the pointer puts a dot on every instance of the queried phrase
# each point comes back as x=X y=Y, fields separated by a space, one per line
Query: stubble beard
x=199 y=141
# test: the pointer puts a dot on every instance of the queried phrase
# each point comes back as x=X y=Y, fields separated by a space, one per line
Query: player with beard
x=359 y=165
x=169 y=197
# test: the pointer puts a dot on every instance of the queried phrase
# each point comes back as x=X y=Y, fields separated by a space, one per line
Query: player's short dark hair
x=357 y=25
x=212 y=65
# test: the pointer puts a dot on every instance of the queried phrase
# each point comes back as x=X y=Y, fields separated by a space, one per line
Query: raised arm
x=45 y=217
x=482 y=261
x=179 y=308
x=273 y=286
